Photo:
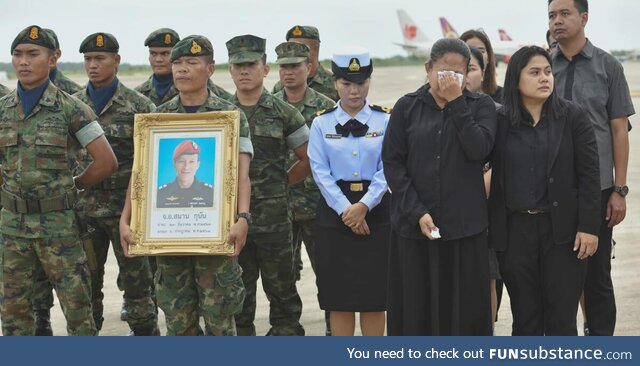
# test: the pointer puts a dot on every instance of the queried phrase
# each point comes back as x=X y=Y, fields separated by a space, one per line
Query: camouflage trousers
x=65 y=264
x=303 y=231
x=270 y=255
x=136 y=277
x=190 y=286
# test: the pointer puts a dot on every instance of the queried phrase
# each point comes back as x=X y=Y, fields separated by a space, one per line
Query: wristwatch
x=621 y=190
x=244 y=215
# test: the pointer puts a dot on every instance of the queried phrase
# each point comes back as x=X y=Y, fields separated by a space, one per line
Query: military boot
x=43 y=323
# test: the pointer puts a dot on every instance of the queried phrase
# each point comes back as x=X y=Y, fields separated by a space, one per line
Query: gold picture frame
x=166 y=217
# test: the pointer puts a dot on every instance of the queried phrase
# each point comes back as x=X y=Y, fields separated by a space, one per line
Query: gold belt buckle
x=356 y=187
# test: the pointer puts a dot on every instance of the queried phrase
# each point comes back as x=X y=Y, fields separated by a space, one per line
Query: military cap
x=56 y=44
x=34 y=35
x=163 y=37
x=100 y=42
x=247 y=48
x=303 y=31
x=186 y=147
x=292 y=53
x=352 y=64
x=192 y=45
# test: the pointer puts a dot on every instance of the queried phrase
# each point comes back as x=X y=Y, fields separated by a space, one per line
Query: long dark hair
x=512 y=102
x=489 y=84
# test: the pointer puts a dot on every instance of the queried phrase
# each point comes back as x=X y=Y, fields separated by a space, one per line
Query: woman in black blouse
x=436 y=143
x=545 y=198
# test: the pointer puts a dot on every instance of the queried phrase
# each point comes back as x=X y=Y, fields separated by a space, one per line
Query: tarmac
x=388 y=84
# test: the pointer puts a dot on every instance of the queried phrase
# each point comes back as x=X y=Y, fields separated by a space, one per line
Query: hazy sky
x=369 y=23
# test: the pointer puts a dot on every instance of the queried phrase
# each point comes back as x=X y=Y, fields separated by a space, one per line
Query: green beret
x=100 y=42
x=247 y=48
x=163 y=37
x=303 y=31
x=56 y=44
x=292 y=53
x=193 y=45
x=34 y=35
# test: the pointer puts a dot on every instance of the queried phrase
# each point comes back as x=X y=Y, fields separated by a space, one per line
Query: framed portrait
x=184 y=183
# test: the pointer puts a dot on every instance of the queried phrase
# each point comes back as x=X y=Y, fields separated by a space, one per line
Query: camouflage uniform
x=64 y=83
x=149 y=91
x=190 y=286
x=276 y=127
x=42 y=291
x=102 y=206
x=303 y=197
x=4 y=90
x=37 y=154
x=322 y=82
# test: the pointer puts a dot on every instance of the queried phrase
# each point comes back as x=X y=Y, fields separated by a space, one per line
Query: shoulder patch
x=325 y=111
x=380 y=108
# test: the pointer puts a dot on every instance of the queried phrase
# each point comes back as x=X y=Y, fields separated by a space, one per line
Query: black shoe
x=43 y=323
x=123 y=311
x=585 y=329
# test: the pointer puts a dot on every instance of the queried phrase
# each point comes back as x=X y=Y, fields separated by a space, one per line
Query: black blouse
x=433 y=162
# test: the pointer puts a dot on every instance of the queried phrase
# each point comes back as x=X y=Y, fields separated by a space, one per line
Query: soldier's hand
x=126 y=238
x=238 y=236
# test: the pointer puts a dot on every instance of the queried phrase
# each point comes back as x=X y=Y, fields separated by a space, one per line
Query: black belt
x=114 y=182
x=359 y=186
x=15 y=204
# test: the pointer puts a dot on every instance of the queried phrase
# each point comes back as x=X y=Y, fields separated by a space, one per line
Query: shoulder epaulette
x=325 y=111
x=380 y=109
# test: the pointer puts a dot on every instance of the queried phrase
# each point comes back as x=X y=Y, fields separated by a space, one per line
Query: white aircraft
x=503 y=48
x=415 y=42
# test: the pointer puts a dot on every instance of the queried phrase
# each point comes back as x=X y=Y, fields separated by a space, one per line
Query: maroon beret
x=186 y=147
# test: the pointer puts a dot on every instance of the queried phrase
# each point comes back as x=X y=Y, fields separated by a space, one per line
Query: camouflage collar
x=119 y=97
x=211 y=104
x=266 y=99
x=309 y=96
x=48 y=98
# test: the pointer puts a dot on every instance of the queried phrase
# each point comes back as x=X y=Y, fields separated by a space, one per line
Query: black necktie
x=354 y=127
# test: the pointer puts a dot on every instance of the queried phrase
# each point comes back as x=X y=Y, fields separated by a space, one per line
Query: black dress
x=433 y=162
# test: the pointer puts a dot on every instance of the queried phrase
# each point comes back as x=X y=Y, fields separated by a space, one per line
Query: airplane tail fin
x=410 y=31
x=447 y=29
x=503 y=35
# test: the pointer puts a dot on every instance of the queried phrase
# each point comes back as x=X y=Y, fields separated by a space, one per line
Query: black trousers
x=544 y=279
x=600 y=301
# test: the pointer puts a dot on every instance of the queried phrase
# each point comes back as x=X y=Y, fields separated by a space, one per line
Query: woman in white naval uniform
x=352 y=221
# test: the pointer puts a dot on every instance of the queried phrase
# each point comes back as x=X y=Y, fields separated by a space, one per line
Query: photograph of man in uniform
x=186 y=190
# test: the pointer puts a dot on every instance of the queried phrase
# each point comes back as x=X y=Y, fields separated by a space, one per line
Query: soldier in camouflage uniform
x=293 y=58
x=276 y=128
x=42 y=131
x=43 y=289
x=115 y=105
x=160 y=87
x=211 y=286
x=4 y=90
x=320 y=79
